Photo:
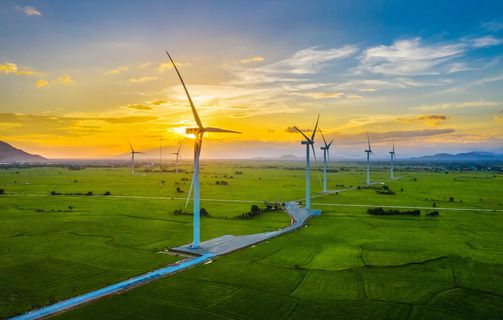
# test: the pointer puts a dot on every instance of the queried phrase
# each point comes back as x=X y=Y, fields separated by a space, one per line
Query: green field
x=344 y=265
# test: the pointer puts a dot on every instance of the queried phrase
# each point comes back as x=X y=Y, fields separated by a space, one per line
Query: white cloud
x=65 y=80
x=457 y=105
x=486 y=41
x=142 y=79
x=309 y=60
x=493 y=26
x=408 y=57
x=116 y=70
x=29 y=11
x=252 y=60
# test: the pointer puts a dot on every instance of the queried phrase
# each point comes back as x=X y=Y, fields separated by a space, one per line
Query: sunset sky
x=80 y=78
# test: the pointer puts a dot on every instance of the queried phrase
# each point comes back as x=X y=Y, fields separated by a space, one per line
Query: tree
x=204 y=213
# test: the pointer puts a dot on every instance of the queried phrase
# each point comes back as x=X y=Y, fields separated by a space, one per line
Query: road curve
x=209 y=249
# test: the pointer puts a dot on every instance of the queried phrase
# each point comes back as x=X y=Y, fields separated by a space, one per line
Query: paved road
x=229 y=243
x=209 y=249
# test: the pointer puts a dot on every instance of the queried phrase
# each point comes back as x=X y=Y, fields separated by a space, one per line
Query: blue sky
x=425 y=72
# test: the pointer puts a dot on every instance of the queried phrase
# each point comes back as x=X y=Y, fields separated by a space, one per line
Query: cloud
x=252 y=60
x=164 y=66
x=29 y=11
x=126 y=120
x=12 y=68
x=142 y=79
x=408 y=57
x=293 y=130
x=41 y=83
x=116 y=70
x=486 y=41
x=429 y=119
x=139 y=107
x=457 y=105
x=386 y=136
x=144 y=65
x=309 y=60
x=493 y=26
x=65 y=80
x=157 y=102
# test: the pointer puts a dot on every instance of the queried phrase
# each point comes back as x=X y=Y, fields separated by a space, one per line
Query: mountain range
x=9 y=153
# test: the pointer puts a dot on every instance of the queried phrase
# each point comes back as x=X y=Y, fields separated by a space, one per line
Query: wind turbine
x=326 y=155
x=178 y=157
x=132 y=157
x=369 y=152
x=309 y=142
x=392 y=159
x=198 y=141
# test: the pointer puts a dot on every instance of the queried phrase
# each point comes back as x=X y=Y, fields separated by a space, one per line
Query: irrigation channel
x=207 y=251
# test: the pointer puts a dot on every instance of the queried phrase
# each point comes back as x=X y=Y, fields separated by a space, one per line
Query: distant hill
x=467 y=156
x=10 y=154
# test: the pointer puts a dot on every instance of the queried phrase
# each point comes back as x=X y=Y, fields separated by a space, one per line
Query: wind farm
x=239 y=228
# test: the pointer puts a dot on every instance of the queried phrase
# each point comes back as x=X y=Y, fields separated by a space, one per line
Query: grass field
x=345 y=264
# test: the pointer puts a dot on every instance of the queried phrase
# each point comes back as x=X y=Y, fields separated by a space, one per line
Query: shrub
x=2 y=191
x=392 y=212
x=107 y=193
x=204 y=213
x=89 y=193
x=178 y=190
x=434 y=204
x=54 y=193
x=433 y=213
x=451 y=199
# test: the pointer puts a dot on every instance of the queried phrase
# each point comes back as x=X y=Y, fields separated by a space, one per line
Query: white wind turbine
x=392 y=160
x=369 y=152
x=326 y=156
x=198 y=141
x=309 y=142
x=132 y=157
x=178 y=157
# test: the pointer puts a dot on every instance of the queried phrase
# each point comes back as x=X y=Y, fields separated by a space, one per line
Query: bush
x=107 y=193
x=54 y=193
x=2 y=191
x=433 y=213
x=178 y=190
x=89 y=193
x=392 y=212
x=204 y=213
x=451 y=199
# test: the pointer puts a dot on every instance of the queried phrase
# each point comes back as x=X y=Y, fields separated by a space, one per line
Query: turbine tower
x=326 y=155
x=309 y=142
x=392 y=159
x=178 y=157
x=369 y=152
x=132 y=157
x=198 y=141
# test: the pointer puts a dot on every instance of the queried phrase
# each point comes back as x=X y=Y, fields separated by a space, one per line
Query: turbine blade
x=190 y=191
x=179 y=147
x=302 y=133
x=132 y=150
x=194 y=111
x=315 y=128
x=368 y=140
x=324 y=141
x=330 y=143
x=210 y=129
